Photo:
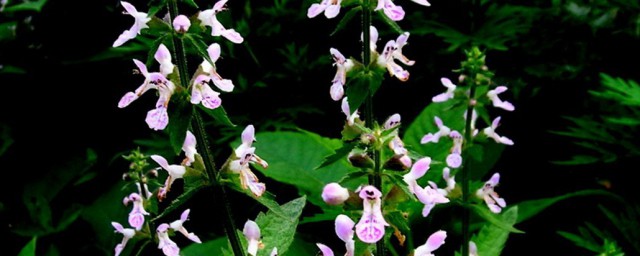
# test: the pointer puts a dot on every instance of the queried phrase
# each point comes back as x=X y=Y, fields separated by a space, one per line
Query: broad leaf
x=279 y=231
x=35 y=6
x=495 y=219
x=219 y=114
x=340 y=153
x=293 y=158
x=361 y=85
x=491 y=238
x=29 y=249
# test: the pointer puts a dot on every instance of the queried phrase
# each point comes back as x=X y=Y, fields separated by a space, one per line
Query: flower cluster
x=243 y=156
x=331 y=8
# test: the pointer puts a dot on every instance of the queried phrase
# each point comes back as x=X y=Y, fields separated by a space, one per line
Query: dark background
x=65 y=102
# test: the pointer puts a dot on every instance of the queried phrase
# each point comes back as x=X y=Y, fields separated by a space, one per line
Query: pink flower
x=351 y=118
x=392 y=11
x=178 y=226
x=181 y=23
x=334 y=194
x=454 y=159
x=491 y=133
x=175 y=172
x=331 y=9
x=136 y=216
x=127 y=233
x=189 y=148
x=244 y=155
x=344 y=230
x=208 y=18
x=371 y=227
x=168 y=247
x=433 y=243
x=491 y=198
x=418 y=170
x=339 y=80
x=140 y=23
x=449 y=94
x=224 y=85
x=429 y=196
x=497 y=102
x=252 y=232
x=435 y=137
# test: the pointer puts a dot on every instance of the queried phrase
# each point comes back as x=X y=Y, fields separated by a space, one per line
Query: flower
x=208 y=18
x=334 y=194
x=450 y=180
x=189 y=148
x=224 y=85
x=392 y=51
x=434 y=242
x=344 y=230
x=343 y=65
x=491 y=133
x=177 y=226
x=136 y=215
x=201 y=92
x=168 y=247
x=370 y=228
x=429 y=196
x=244 y=155
x=326 y=251
x=127 y=233
x=473 y=249
x=373 y=38
x=491 y=198
x=454 y=159
x=175 y=172
x=392 y=11
x=252 y=232
x=351 y=118
x=392 y=121
x=140 y=23
x=449 y=94
x=331 y=9
x=163 y=56
x=181 y=23
x=497 y=102
x=443 y=131
x=418 y=170
x=157 y=118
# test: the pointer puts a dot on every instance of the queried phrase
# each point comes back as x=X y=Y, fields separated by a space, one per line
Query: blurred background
x=571 y=67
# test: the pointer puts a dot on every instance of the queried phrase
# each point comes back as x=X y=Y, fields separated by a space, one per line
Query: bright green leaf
x=340 y=153
x=495 y=219
x=361 y=85
x=35 y=6
x=219 y=114
x=279 y=231
x=528 y=209
x=491 y=239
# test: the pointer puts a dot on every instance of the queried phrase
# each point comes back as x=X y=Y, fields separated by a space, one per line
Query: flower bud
x=454 y=160
x=398 y=163
x=334 y=194
x=181 y=23
x=360 y=160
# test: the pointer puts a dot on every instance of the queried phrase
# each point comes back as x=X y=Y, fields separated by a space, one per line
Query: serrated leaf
x=399 y=182
x=200 y=46
x=267 y=200
x=528 y=209
x=179 y=201
x=212 y=247
x=279 y=231
x=495 y=219
x=219 y=114
x=345 y=19
x=392 y=24
x=179 y=119
x=293 y=158
x=360 y=86
x=29 y=249
x=339 y=154
x=491 y=238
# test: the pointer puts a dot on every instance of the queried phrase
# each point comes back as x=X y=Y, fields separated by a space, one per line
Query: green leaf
x=7 y=32
x=179 y=201
x=345 y=19
x=267 y=200
x=361 y=85
x=487 y=154
x=279 y=231
x=35 y=6
x=293 y=158
x=397 y=180
x=100 y=214
x=29 y=249
x=319 y=217
x=491 y=238
x=179 y=120
x=200 y=46
x=219 y=114
x=531 y=208
x=496 y=219
x=397 y=220
x=212 y=247
x=392 y=24
x=191 y=3
x=340 y=153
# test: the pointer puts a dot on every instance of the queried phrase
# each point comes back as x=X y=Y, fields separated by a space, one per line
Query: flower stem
x=465 y=170
x=374 y=179
x=203 y=144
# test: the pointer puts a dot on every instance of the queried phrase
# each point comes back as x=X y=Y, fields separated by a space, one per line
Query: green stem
x=202 y=142
x=465 y=170
x=374 y=179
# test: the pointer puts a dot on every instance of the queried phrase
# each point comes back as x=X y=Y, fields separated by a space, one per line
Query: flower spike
x=140 y=23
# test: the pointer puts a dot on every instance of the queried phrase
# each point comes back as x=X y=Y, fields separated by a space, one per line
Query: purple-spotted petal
x=392 y=121
x=370 y=228
x=127 y=99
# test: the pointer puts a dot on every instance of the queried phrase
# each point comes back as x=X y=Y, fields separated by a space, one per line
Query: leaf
x=200 y=46
x=528 y=209
x=293 y=158
x=102 y=212
x=495 y=219
x=266 y=199
x=191 y=3
x=7 y=32
x=179 y=120
x=35 y=6
x=397 y=180
x=219 y=114
x=360 y=86
x=277 y=230
x=397 y=220
x=489 y=153
x=179 y=201
x=491 y=238
x=345 y=19
x=319 y=217
x=212 y=247
x=578 y=160
x=340 y=153
x=29 y=249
